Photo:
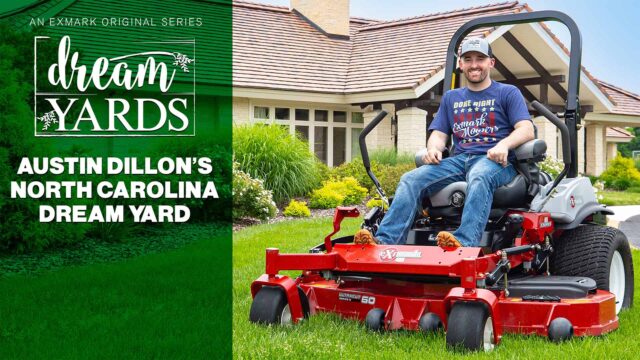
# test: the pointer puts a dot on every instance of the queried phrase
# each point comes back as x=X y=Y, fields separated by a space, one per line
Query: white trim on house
x=612 y=119
x=313 y=97
x=288 y=95
x=379 y=96
x=617 y=140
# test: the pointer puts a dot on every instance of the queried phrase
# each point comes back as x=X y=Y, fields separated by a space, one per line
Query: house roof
x=618 y=132
x=404 y=53
x=627 y=103
x=277 y=49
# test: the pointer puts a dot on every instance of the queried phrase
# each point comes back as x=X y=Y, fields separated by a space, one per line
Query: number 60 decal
x=371 y=300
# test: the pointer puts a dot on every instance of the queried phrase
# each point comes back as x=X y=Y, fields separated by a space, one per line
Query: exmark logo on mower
x=399 y=256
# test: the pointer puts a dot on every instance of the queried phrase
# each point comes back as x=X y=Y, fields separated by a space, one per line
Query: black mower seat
x=508 y=196
x=516 y=194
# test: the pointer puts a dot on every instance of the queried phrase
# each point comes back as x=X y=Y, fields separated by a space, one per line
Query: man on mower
x=488 y=119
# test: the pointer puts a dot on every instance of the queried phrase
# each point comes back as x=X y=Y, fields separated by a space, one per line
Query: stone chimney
x=330 y=16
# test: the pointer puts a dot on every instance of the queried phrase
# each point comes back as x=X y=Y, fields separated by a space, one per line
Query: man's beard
x=482 y=77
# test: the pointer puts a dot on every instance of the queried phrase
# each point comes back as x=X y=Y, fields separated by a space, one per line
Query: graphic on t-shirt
x=475 y=121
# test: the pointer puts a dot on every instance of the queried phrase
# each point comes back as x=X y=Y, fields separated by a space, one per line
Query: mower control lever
x=365 y=154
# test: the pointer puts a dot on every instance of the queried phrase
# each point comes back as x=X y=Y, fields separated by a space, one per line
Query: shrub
x=634 y=189
x=620 y=174
x=353 y=192
x=387 y=175
x=283 y=161
x=297 y=209
x=20 y=228
x=391 y=157
x=355 y=169
x=551 y=166
x=325 y=198
x=221 y=174
x=598 y=188
x=376 y=202
x=324 y=172
x=250 y=199
x=338 y=192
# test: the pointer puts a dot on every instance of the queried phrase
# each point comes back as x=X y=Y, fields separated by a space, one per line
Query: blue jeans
x=483 y=177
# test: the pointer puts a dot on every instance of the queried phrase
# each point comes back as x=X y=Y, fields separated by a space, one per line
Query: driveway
x=627 y=219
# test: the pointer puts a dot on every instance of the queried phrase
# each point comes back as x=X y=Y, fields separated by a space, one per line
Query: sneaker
x=447 y=240
x=364 y=237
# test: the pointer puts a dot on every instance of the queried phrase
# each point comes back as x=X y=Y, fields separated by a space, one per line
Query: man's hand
x=499 y=154
x=432 y=157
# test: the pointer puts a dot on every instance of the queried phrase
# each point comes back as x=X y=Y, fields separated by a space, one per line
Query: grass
x=391 y=157
x=616 y=198
x=172 y=305
x=91 y=251
x=327 y=336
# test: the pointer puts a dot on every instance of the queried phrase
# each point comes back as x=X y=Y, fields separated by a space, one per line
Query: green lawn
x=171 y=305
x=612 y=198
x=328 y=336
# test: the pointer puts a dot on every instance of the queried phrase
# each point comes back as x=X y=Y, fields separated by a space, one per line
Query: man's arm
x=435 y=146
x=523 y=132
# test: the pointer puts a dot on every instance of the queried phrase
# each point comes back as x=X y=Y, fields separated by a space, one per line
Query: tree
x=627 y=149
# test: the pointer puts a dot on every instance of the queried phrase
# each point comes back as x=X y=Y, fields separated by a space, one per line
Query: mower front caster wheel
x=270 y=306
x=470 y=327
x=375 y=319
x=560 y=330
x=430 y=322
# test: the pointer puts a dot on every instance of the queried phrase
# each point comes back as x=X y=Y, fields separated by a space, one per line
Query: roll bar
x=572 y=106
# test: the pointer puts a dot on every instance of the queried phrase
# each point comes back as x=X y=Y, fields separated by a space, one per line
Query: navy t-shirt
x=479 y=119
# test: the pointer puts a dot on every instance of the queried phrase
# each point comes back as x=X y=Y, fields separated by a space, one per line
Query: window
x=261 y=112
x=302 y=114
x=339 y=145
x=303 y=132
x=321 y=142
x=322 y=115
x=355 y=145
x=331 y=132
x=282 y=113
x=357 y=118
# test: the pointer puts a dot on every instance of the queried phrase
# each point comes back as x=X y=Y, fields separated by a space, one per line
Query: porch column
x=612 y=151
x=596 y=157
x=240 y=113
x=548 y=132
x=380 y=137
x=412 y=130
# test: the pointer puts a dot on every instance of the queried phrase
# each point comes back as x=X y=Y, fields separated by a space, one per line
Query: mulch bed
x=315 y=213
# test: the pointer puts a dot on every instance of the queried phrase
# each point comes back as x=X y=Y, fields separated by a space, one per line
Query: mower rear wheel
x=601 y=253
x=470 y=326
x=270 y=306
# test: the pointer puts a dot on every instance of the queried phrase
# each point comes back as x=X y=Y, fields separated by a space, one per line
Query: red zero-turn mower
x=543 y=266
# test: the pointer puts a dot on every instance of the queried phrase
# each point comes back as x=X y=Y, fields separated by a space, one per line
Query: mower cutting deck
x=543 y=266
